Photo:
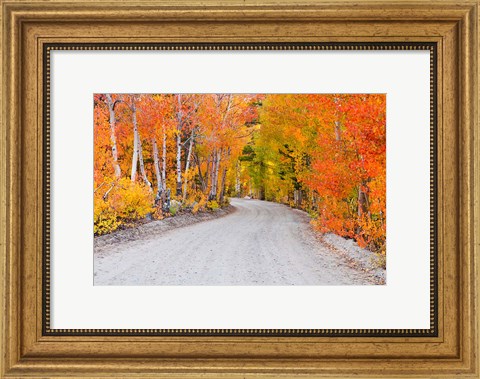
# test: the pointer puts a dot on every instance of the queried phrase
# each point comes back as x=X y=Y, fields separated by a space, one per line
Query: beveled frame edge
x=28 y=354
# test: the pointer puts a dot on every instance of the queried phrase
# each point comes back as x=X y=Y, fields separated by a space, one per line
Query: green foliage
x=248 y=154
x=312 y=213
x=175 y=206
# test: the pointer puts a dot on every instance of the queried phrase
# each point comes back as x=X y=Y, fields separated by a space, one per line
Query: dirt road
x=261 y=243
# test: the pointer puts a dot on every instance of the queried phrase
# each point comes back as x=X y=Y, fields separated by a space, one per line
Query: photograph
x=239 y=189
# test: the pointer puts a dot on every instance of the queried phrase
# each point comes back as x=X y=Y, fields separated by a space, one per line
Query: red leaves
x=344 y=137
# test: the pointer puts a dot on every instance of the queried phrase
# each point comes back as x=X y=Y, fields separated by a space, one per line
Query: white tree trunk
x=187 y=164
x=137 y=149
x=207 y=172
x=156 y=163
x=224 y=176
x=113 y=137
x=238 y=187
x=133 y=175
x=213 y=189
x=215 y=168
x=164 y=161
x=179 y=165
x=222 y=186
x=142 y=166
x=179 y=145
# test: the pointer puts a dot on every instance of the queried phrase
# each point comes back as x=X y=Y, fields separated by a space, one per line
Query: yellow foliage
x=158 y=214
x=104 y=217
x=131 y=200
x=372 y=234
x=200 y=202
x=213 y=205
x=125 y=201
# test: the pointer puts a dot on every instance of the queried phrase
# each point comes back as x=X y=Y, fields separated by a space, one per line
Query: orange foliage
x=329 y=150
x=325 y=154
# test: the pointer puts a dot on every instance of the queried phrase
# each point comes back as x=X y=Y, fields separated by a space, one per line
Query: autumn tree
x=326 y=154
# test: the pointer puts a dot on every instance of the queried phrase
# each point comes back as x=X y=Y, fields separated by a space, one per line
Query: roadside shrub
x=104 y=217
x=212 y=205
x=124 y=201
x=342 y=218
x=131 y=200
x=189 y=202
x=380 y=260
x=158 y=214
x=199 y=203
x=371 y=234
x=175 y=206
x=312 y=213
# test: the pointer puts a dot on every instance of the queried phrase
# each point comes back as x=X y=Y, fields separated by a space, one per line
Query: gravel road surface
x=260 y=243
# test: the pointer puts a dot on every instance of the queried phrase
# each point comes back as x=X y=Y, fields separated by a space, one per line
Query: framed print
x=255 y=189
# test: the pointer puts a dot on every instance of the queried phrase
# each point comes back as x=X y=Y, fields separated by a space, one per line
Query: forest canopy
x=160 y=154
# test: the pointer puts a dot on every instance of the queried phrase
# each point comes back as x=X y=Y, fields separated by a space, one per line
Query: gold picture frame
x=32 y=28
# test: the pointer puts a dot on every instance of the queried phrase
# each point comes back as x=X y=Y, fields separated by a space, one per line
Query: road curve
x=261 y=243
